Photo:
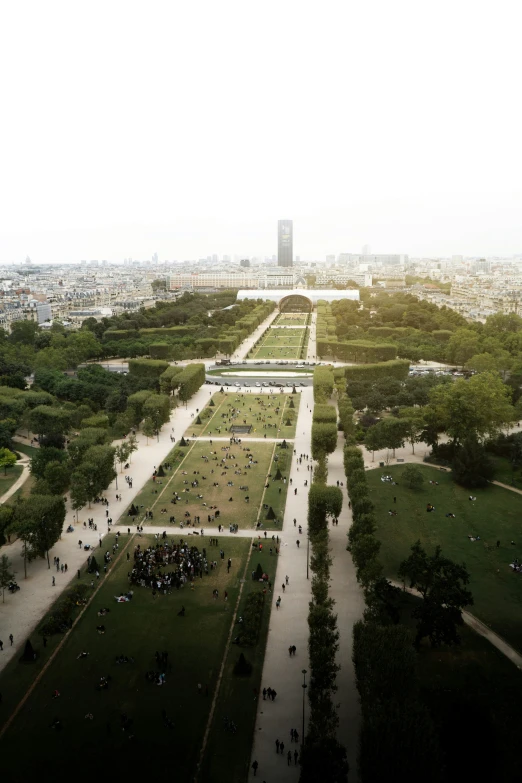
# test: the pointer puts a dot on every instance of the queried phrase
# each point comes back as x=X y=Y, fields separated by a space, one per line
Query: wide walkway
x=349 y=606
x=22 y=611
x=288 y=625
x=312 y=344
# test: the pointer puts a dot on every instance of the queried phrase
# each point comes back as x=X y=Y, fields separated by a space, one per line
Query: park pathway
x=22 y=611
x=22 y=478
x=288 y=625
x=245 y=347
x=312 y=344
x=349 y=606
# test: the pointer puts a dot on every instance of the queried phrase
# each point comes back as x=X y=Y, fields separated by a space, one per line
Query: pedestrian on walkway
x=254 y=763
x=11 y=639
x=1 y=645
x=298 y=542
x=296 y=756
x=264 y=694
x=289 y=758
x=287 y=579
x=295 y=522
x=295 y=491
x=277 y=745
x=283 y=586
x=54 y=581
x=282 y=747
x=296 y=735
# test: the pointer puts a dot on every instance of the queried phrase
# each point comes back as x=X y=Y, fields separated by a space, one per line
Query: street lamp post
x=304 y=673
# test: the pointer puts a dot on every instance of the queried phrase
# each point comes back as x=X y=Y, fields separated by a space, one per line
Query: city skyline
x=412 y=150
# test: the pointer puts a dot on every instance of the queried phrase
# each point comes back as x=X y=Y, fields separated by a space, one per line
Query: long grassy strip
x=227 y=649
x=60 y=644
x=221 y=670
x=174 y=474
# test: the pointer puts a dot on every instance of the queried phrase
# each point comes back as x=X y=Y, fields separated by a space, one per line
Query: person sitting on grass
x=450 y=514
x=100 y=629
x=430 y=508
x=82 y=655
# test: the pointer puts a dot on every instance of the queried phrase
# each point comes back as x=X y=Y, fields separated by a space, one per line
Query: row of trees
x=322 y=757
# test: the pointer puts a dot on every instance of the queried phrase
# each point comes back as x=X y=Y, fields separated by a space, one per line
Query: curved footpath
x=22 y=478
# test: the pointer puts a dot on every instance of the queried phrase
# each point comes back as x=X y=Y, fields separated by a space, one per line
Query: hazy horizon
x=190 y=129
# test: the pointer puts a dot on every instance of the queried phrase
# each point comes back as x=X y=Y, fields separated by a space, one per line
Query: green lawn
x=281 y=344
x=204 y=461
x=7 y=481
x=504 y=471
x=495 y=515
x=291 y=319
x=274 y=337
x=196 y=645
x=267 y=415
x=15 y=678
x=228 y=755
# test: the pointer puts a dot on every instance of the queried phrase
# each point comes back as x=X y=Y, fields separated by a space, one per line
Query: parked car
x=258 y=384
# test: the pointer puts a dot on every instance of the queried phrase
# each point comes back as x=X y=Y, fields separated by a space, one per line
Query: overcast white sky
x=189 y=128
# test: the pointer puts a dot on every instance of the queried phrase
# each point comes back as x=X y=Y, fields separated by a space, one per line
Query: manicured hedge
x=398 y=369
x=147 y=368
x=323 y=384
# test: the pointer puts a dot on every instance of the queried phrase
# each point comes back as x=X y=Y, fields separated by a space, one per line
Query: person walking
x=277 y=745
x=255 y=765
x=282 y=747
x=54 y=582
x=296 y=756
x=287 y=580
x=289 y=758
x=11 y=639
x=283 y=586
x=1 y=645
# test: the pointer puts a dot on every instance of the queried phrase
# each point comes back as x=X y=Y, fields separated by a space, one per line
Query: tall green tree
x=7 y=459
x=6 y=575
x=122 y=453
x=149 y=429
x=480 y=405
x=441 y=583
x=414 y=423
x=38 y=522
x=46 y=420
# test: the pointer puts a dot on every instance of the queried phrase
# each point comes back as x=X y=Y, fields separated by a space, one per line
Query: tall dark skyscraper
x=285 y=243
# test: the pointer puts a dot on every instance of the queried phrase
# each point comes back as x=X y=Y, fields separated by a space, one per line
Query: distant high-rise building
x=285 y=243
x=330 y=259
x=245 y=262
x=298 y=259
x=366 y=250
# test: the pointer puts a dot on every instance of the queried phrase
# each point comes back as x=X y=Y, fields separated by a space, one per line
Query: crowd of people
x=168 y=565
